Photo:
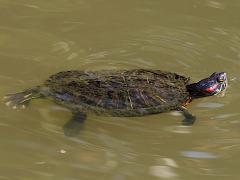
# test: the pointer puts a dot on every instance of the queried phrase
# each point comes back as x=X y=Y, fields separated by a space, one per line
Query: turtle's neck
x=194 y=92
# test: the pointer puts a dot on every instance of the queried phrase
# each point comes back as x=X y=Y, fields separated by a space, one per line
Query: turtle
x=129 y=93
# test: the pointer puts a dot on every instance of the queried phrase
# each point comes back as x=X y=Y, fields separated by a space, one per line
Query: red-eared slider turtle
x=135 y=92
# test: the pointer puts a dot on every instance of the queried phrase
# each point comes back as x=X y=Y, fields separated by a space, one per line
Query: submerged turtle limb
x=75 y=124
x=22 y=99
x=189 y=119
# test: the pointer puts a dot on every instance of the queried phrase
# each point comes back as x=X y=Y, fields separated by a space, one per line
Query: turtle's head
x=210 y=86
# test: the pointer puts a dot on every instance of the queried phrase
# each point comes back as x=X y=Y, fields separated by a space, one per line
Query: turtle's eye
x=220 y=79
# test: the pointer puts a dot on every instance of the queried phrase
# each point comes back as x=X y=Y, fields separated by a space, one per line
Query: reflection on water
x=215 y=4
x=165 y=169
x=198 y=154
x=163 y=172
x=210 y=105
x=194 y=38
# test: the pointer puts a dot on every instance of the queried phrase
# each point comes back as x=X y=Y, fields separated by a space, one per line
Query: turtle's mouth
x=223 y=86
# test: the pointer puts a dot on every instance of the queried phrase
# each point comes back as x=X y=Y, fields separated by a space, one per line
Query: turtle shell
x=121 y=93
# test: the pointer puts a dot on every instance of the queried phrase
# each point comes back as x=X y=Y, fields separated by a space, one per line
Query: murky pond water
x=190 y=37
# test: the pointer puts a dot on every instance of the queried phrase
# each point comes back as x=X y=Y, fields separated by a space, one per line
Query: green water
x=190 y=37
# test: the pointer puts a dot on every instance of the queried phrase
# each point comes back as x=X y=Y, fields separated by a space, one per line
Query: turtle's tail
x=22 y=99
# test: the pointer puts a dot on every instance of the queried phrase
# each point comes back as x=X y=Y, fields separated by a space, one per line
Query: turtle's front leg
x=75 y=124
x=189 y=119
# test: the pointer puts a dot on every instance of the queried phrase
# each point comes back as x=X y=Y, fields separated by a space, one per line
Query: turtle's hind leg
x=21 y=99
x=75 y=124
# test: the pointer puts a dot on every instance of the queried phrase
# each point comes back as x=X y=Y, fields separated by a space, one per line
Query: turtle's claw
x=15 y=105
x=8 y=103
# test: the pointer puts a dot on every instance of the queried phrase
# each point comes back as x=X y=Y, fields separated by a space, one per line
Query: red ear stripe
x=211 y=89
